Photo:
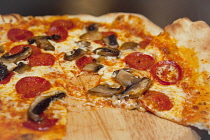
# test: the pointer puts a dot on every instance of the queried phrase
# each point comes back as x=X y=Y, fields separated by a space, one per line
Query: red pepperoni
x=17 y=34
x=139 y=61
x=32 y=86
x=42 y=59
x=19 y=48
x=68 y=24
x=58 y=30
x=158 y=100
x=167 y=72
x=43 y=125
x=7 y=79
x=81 y=62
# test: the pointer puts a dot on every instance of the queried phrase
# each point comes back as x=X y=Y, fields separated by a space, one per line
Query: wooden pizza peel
x=90 y=123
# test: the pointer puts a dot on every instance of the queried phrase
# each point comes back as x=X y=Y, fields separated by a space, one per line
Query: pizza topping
x=107 y=51
x=93 y=27
x=139 y=61
x=167 y=72
x=125 y=78
x=4 y=72
x=111 y=41
x=156 y=100
x=92 y=35
x=67 y=24
x=7 y=58
x=8 y=78
x=43 y=125
x=58 y=31
x=42 y=42
x=128 y=45
x=83 y=61
x=138 y=88
x=75 y=54
x=105 y=91
x=40 y=104
x=2 y=49
x=32 y=86
x=42 y=59
x=17 y=34
x=92 y=67
x=21 y=68
x=20 y=48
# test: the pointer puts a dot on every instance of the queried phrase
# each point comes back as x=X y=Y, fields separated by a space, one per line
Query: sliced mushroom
x=7 y=58
x=2 y=49
x=21 y=68
x=137 y=89
x=111 y=41
x=92 y=67
x=83 y=43
x=75 y=54
x=4 y=72
x=93 y=27
x=128 y=45
x=41 y=103
x=105 y=91
x=107 y=51
x=92 y=35
x=125 y=78
x=42 y=42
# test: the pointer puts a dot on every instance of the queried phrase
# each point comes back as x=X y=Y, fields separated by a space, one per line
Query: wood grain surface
x=88 y=123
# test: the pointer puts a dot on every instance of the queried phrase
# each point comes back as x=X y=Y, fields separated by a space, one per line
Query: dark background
x=161 y=12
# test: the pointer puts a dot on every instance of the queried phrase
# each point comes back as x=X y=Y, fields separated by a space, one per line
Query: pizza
x=118 y=60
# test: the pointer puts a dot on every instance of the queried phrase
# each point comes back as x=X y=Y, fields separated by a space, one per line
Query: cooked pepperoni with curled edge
x=32 y=86
x=8 y=78
x=19 y=48
x=58 y=30
x=156 y=100
x=139 y=61
x=42 y=59
x=43 y=125
x=17 y=34
x=167 y=72
x=81 y=62
x=68 y=24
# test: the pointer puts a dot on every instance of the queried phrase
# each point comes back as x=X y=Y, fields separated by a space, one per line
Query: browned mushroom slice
x=105 y=91
x=111 y=41
x=75 y=54
x=92 y=35
x=41 y=103
x=92 y=67
x=7 y=58
x=107 y=51
x=21 y=68
x=93 y=27
x=2 y=49
x=137 y=89
x=42 y=42
x=128 y=45
x=4 y=72
x=125 y=78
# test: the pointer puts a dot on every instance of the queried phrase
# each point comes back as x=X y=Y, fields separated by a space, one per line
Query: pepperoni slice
x=7 y=79
x=81 y=62
x=32 y=86
x=156 y=100
x=43 y=125
x=19 y=48
x=167 y=72
x=42 y=59
x=60 y=31
x=17 y=34
x=139 y=61
x=68 y=24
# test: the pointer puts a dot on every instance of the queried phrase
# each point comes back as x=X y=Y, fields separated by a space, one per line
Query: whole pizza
x=118 y=60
